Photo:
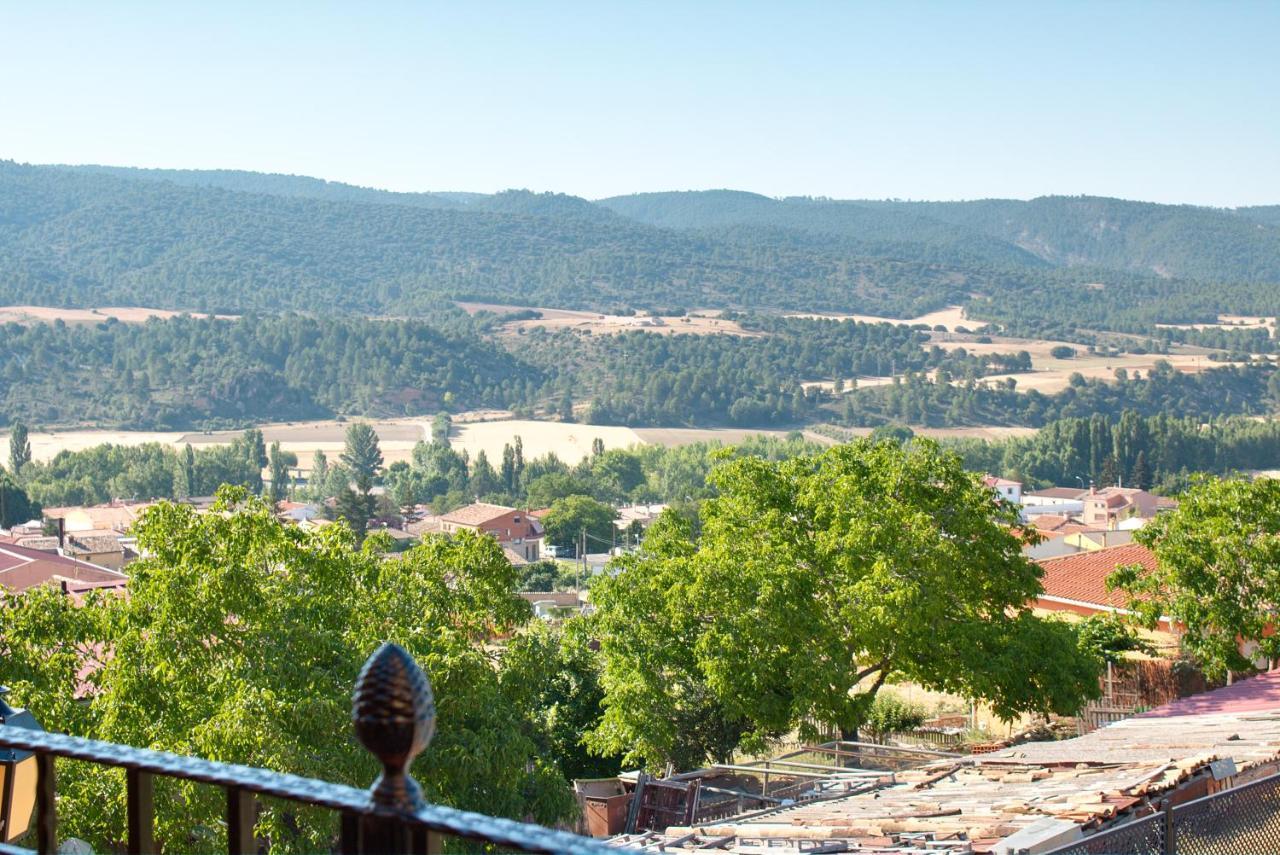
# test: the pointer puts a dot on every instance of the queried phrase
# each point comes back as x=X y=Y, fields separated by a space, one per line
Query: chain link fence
x=1244 y=820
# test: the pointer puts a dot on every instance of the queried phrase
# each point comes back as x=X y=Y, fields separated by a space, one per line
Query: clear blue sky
x=1164 y=101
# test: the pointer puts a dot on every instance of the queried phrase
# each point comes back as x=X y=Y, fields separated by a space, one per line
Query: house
x=1107 y=507
x=1050 y=496
x=1010 y=491
x=1076 y=586
x=22 y=568
x=106 y=549
x=513 y=528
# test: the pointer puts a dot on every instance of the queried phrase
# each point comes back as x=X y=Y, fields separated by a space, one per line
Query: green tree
x=1217 y=572
x=483 y=480
x=318 y=478
x=356 y=509
x=440 y=426
x=362 y=456
x=15 y=506
x=19 y=448
x=255 y=665
x=556 y=675
x=280 y=462
x=572 y=515
x=816 y=581
x=896 y=433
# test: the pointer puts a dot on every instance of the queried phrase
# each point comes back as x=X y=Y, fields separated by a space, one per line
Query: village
x=958 y=779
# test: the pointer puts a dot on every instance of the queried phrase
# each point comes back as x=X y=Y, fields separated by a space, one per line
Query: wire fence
x=1244 y=820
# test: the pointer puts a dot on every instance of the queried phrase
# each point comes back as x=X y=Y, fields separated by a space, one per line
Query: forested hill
x=240 y=242
x=71 y=237
x=1168 y=240
x=876 y=231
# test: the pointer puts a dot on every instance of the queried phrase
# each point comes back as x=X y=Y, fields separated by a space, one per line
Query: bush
x=1062 y=351
x=889 y=714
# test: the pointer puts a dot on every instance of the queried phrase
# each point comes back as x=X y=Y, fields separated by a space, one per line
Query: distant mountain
x=1070 y=231
x=292 y=186
x=249 y=242
x=1209 y=244
x=100 y=237
x=873 y=231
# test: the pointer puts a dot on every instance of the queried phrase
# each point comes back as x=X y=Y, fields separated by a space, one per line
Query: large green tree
x=1217 y=572
x=362 y=456
x=255 y=665
x=816 y=581
x=280 y=461
x=571 y=516
x=19 y=448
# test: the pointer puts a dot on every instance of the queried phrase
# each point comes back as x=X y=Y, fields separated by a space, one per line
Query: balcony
x=393 y=713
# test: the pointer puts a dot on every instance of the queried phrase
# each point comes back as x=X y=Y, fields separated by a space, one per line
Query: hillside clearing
x=601 y=324
x=27 y=315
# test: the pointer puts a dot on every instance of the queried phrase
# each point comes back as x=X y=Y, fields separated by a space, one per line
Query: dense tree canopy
x=1217 y=574
x=255 y=665
x=814 y=582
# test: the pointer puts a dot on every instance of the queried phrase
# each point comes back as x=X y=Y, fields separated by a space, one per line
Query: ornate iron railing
x=394 y=716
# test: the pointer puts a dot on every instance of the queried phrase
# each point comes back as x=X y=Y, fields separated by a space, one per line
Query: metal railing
x=1243 y=820
x=394 y=717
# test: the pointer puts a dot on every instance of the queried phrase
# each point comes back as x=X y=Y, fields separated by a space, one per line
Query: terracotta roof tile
x=1083 y=577
x=478 y=513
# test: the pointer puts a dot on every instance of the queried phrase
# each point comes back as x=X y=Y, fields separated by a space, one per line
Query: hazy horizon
x=778 y=197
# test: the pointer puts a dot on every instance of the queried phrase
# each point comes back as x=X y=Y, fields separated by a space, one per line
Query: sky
x=1160 y=101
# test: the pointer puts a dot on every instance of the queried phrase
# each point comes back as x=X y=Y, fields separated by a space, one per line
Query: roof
x=1082 y=577
x=516 y=559
x=1241 y=721
x=477 y=513
x=426 y=525
x=976 y=802
x=1255 y=694
x=1054 y=493
x=22 y=568
x=94 y=543
x=993 y=481
x=116 y=515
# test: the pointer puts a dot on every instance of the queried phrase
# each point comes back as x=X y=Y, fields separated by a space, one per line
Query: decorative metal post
x=394 y=715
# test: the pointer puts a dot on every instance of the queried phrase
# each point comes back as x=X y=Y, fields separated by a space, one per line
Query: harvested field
x=45 y=446
x=730 y=436
x=598 y=324
x=27 y=315
x=950 y=317
x=989 y=432
x=397 y=437
x=568 y=440
x=1227 y=322
x=1050 y=375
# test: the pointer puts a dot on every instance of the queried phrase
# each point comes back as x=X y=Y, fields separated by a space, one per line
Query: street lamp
x=17 y=776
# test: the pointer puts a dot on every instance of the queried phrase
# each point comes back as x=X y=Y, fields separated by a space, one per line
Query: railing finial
x=395 y=717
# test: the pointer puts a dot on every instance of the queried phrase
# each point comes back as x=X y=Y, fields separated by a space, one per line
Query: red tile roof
x=476 y=514
x=1083 y=577
x=22 y=568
